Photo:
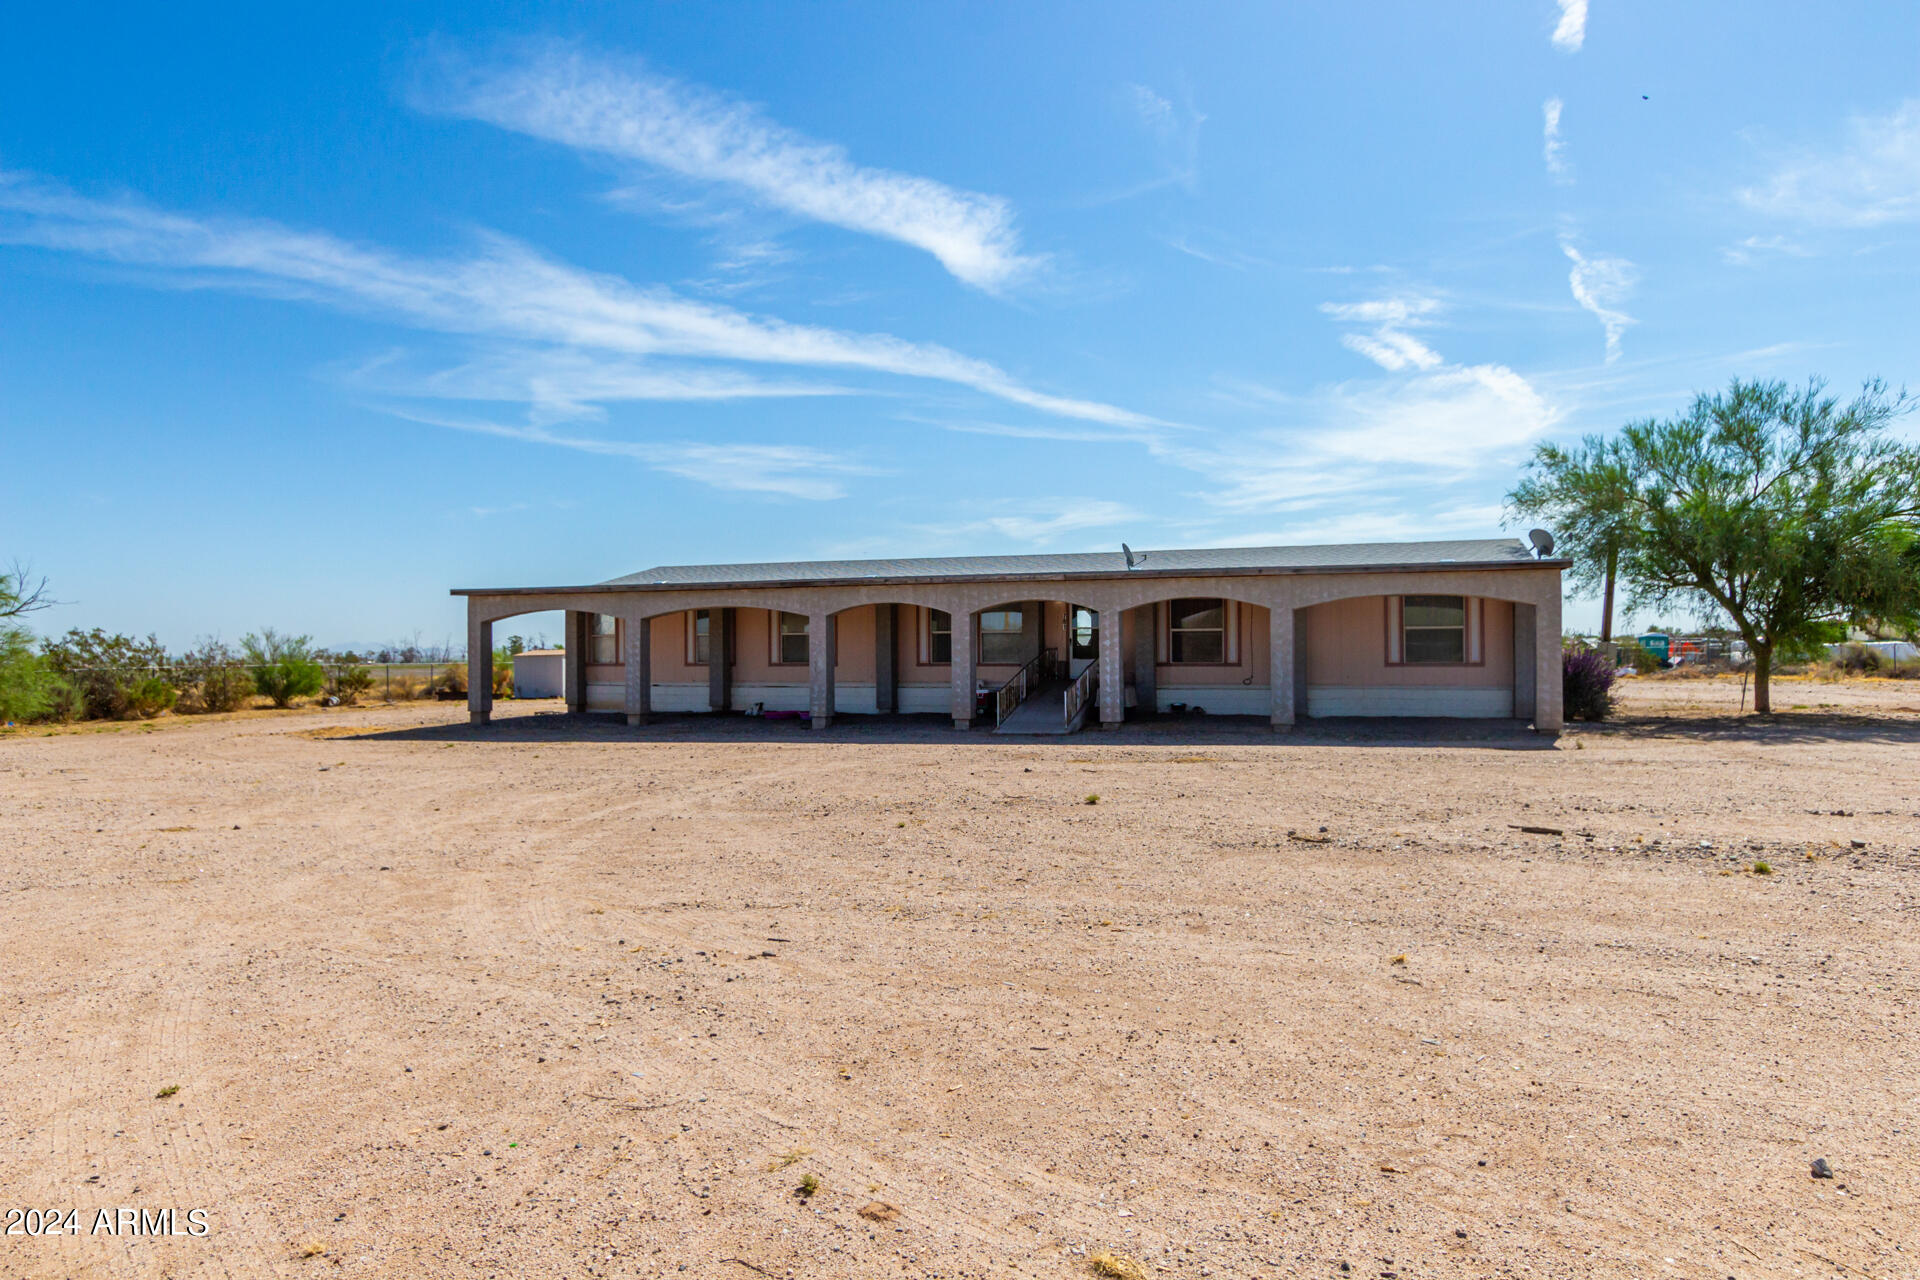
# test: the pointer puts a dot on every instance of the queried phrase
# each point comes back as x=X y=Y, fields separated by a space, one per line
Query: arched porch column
x=573 y=627
x=963 y=667
x=1113 y=670
x=639 y=657
x=1549 y=713
x=821 y=629
x=479 y=664
x=1280 y=663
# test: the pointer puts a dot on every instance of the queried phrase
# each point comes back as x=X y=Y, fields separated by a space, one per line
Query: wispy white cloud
x=1571 y=31
x=1430 y=420
x=1387 y=343
x=504 y=290
x=1371 y=523
x=1747 y=251
x=1870 y=179
x=1215 y=253
x=560 y=385
x=1599 y=285
x=625 y=110
x=1555 y=146
x=1044 y=431
x=793 y=471
x=1040 y=521
x=1173 y=129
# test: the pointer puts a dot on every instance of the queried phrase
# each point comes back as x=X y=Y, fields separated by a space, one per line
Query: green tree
x=30 y=689
x=105 y=669
x=282 y=666
x=20 y=592
x=1583 y=494
x=1781 y=508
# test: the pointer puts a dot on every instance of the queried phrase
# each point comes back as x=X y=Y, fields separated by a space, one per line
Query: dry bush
x=351 y=682
x=406 y=689
x=1118 y=1266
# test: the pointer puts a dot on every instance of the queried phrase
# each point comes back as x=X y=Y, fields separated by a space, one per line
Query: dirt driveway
x=565 y=999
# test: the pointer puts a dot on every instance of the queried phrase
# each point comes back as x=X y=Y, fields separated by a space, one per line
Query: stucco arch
x=1532 y=588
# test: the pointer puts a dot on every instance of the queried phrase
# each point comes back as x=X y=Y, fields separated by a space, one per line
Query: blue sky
x=306 y=321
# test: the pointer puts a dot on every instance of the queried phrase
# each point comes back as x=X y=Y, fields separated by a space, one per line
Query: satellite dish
x=1542 y=542
x=1132 y=559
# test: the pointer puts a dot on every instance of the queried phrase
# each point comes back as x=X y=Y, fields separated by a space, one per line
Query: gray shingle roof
x=1322 y=559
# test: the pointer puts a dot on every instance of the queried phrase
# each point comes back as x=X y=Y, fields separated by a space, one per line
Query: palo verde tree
x=1584 y=495
x=282 y=667
x=1782 y=508
x=28 y=684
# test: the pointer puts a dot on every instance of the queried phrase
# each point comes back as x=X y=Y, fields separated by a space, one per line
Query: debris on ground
x=1117 y=1265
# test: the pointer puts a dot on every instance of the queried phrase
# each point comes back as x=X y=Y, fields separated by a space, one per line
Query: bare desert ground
x=568 y=999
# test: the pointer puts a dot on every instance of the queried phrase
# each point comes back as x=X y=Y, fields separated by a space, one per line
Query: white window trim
x=926 y=638
x=980 y=632
x=1473 y=641
x=780 y=638
x=693 y=636
x=595 y=635
x=1163 y=627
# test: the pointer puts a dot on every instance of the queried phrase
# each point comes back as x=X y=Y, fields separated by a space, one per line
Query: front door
x=1083 y=636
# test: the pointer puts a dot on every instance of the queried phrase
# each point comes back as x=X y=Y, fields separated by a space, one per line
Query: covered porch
x=1051 y=653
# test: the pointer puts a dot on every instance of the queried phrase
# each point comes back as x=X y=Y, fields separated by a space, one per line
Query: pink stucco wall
x=1346 y=644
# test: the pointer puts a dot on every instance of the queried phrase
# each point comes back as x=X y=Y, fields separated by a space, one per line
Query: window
x=793 y=639
x=1197 y=631
x=939 y=636
x=699 y=627
x=1434 y=629
x=1003 y=637
x=1083 y=633
x=603 y=639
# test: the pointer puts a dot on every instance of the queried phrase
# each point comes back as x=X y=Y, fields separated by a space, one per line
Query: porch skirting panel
x=923 y=699
x=1218 y=699
x=848 y=698
x=1409 y=700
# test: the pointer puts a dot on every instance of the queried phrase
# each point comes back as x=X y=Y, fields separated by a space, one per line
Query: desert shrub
x=282 y=666
x=30 y=689
x=503 y=679
x=1856 y=659
x=65 y=703
x=212 y=679
x=103 y=668
x=453 y=679
x=1638 y=657
x=148 y=696
x=1586 y=681
x=352 y=681
x=404 y=688
x=1901 y=668
x=225 y=689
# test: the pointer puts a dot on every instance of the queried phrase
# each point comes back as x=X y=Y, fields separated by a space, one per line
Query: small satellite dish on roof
x=1132 y=559
x=1542 y=542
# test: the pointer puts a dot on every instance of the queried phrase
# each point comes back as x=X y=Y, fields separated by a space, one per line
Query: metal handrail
x=1082 y=690
x=1014 y=692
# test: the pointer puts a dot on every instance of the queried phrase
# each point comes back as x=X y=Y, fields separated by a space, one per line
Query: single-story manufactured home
x=1047 y=643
